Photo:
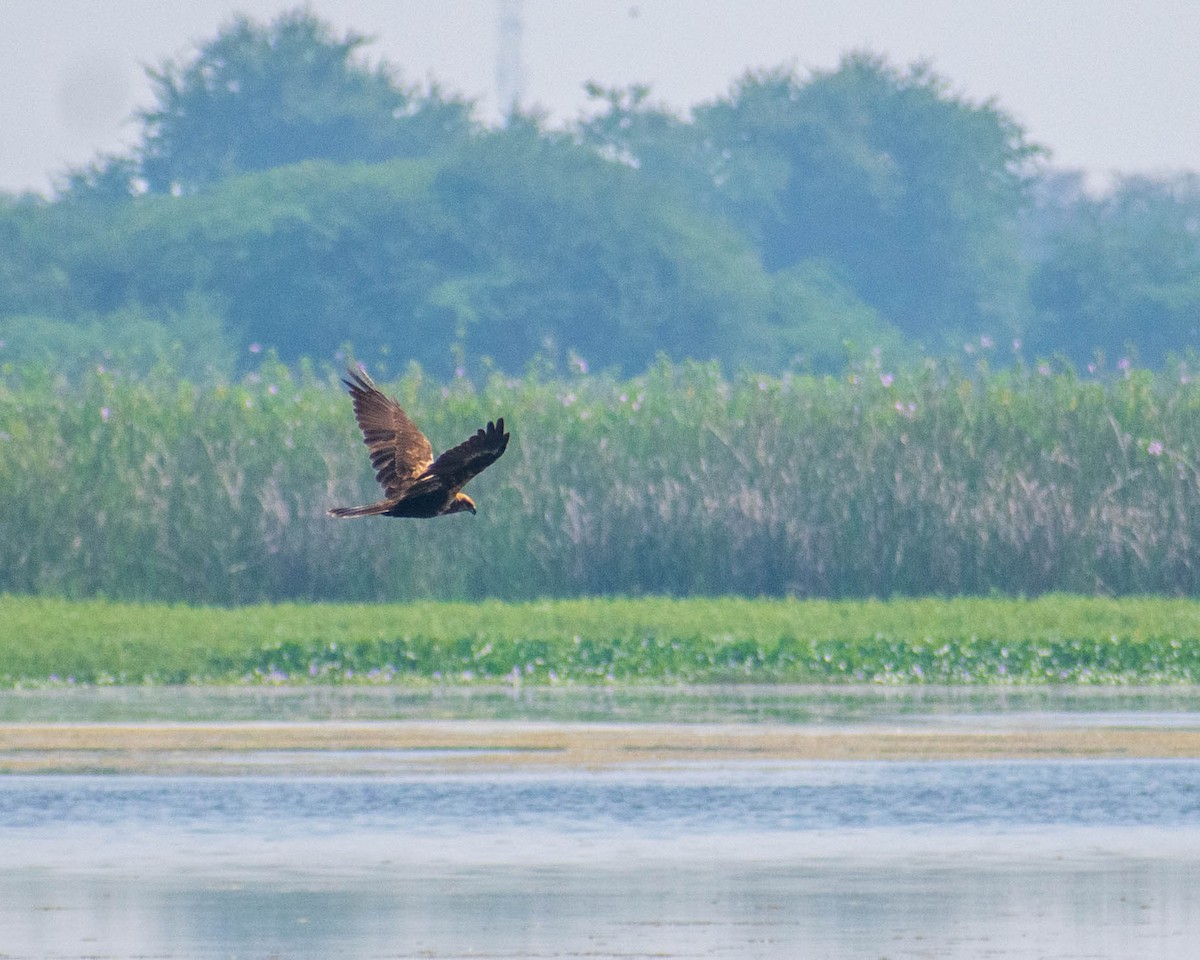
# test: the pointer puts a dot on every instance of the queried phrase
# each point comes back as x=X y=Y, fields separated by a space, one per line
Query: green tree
x=628 y=127
x=1122 y=271
x=189 y=342
x=110 y=178
x=40 y=243
x=257 y=97
x=566 y=250
x=516 y=244
x=301 y=258
x=911 y=191
x=30 y=275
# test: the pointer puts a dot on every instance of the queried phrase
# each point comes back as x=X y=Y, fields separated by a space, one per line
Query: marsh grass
x=1054 y=639
x=938 y=480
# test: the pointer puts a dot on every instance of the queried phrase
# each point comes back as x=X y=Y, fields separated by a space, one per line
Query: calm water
x=904 y=861
x=811 y=705
x=788 y=860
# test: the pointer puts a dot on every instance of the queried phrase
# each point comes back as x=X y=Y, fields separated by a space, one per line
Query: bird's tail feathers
x=371 y=510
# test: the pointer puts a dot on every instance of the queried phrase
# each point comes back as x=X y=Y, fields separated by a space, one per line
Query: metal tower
x=509 y=79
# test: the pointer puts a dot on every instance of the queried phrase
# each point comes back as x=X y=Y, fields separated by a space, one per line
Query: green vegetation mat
x=1053 y=639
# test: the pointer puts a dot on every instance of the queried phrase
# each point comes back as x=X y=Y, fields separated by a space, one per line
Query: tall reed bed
x=937 y=480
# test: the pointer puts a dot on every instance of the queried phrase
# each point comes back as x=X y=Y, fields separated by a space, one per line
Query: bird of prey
x=414 y=483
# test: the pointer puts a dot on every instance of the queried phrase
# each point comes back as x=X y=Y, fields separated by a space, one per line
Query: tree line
x=287 y=193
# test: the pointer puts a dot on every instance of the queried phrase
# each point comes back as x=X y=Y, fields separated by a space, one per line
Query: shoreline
x=400 y=747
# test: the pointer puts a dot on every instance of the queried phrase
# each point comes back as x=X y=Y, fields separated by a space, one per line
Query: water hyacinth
x=1049 y=640
x=935 y=480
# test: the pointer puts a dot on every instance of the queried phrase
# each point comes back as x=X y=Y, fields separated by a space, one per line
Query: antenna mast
x=508 y=59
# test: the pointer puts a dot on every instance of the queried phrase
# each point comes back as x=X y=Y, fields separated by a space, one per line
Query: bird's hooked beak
x=466 y=503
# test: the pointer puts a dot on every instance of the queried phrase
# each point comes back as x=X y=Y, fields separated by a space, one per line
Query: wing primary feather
x=403 y=458
x=459 y=464
x=399 y=451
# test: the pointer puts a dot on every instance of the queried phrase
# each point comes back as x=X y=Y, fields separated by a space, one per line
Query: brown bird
x=415 y=484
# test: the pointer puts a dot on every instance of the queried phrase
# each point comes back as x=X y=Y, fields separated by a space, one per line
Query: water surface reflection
x=835 y=860
x=812 y=705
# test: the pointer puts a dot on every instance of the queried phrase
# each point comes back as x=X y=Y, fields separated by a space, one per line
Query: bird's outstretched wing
x=459 y=464
x=400 y=452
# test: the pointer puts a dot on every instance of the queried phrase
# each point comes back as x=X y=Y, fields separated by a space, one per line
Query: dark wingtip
x=499 y=428
x=495 y=426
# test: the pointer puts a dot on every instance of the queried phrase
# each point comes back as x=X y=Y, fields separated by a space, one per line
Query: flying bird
x=414 y=483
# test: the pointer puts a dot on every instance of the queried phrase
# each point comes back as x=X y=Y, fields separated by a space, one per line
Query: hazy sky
x=1108 y=85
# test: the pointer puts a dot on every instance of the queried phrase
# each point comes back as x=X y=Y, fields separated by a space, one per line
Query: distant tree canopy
x=517 y=244
x=1122 y=272
x=286 y=192
x=912 y=191
x=257 y=97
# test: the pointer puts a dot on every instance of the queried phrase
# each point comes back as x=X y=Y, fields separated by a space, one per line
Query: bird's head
x=461 y=502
